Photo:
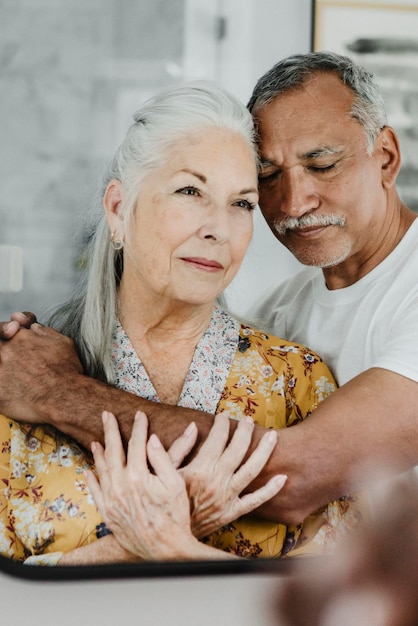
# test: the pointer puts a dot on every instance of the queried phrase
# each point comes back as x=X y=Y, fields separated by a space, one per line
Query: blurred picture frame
x=383 y=37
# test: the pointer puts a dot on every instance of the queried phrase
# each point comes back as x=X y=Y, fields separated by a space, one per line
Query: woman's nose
x=216 y=226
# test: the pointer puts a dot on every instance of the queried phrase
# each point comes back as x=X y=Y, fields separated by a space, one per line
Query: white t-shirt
x=373 y=323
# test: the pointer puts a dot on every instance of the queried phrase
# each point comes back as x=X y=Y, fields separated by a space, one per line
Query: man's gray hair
x=160 y=123
x=294 y=71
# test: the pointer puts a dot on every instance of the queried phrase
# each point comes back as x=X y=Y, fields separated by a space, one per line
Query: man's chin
x=322 y=261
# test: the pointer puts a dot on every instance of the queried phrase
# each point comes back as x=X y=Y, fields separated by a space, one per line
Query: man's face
x=320 y=191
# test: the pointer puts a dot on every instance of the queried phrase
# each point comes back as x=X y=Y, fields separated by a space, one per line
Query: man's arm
x=371 y=418
x=42 y=381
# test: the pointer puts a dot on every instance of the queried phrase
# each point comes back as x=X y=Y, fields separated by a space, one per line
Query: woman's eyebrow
x=204 y=180
x=201 y=177
x=249 y=190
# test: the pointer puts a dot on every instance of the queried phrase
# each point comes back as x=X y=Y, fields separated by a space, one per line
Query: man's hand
x=42 y=382
x=17 y=321
x=32 y=366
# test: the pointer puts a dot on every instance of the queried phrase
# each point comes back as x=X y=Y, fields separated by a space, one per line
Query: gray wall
x=70 y=72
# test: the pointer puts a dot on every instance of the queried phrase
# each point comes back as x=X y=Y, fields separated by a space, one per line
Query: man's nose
x=298 y=195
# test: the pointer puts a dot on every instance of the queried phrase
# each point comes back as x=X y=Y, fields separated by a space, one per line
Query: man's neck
x=357 y=266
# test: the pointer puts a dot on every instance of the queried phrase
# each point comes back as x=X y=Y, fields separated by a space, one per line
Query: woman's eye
x=188 y=191
x=246 y=204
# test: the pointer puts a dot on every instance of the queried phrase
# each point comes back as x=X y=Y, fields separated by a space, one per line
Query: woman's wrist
x=188 y=548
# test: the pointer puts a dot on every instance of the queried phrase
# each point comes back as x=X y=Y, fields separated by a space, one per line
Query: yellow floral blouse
x=46 y=508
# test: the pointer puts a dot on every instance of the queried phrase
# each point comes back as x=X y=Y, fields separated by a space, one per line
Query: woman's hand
x=148 y=513
x=215 y=478
x=104 y=550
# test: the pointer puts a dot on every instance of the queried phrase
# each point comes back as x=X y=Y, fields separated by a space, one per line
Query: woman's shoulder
x=251 y=337
x=25 y=440
x=7 y=425
x=280 y=354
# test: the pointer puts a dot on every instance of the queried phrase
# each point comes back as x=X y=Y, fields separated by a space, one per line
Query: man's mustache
x=307 y=221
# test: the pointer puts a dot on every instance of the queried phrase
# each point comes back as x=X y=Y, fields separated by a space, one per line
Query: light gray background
x=71 y=75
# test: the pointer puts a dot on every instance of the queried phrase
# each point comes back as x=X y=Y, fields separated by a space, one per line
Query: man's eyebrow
x=316 y=153
x=321 y=152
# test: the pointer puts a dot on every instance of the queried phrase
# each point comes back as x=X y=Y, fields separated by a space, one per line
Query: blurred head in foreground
x=371 y=581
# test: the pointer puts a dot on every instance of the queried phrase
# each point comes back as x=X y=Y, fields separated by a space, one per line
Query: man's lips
x=308 y=232
x=207 y=265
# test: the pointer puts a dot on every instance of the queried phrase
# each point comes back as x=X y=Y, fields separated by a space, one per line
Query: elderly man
x=329 y=162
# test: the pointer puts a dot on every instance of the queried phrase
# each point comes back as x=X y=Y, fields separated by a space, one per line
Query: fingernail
x=280 y=480
x=105 y=417
x=190 y=429
x=154 y=441
x=272 y=436
x=249 y=419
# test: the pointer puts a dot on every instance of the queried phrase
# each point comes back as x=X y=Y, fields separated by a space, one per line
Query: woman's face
x=193 y=219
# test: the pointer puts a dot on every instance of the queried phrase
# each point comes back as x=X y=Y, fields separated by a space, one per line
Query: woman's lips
x=207 y=265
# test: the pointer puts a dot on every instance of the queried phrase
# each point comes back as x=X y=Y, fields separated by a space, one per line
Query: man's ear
x=388 y=145
x=112 y=203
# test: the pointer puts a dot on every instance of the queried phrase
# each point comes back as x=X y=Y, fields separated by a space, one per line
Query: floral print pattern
x=45 y=505
x=208 y=371
x=278 y=384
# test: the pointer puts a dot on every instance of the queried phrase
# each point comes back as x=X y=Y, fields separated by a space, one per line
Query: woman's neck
x=164 y=335
x=144 y=316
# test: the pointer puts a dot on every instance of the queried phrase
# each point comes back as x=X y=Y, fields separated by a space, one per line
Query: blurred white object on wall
x=11 y=268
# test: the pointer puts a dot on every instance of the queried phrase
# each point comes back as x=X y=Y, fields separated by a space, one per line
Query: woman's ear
x=112 y=203
x=388 y=144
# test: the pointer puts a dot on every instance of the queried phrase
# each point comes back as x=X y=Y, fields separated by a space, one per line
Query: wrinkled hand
x=17 y=321
x=34 y=365
x=105 y=550
x=215 y=478
x=148 y=513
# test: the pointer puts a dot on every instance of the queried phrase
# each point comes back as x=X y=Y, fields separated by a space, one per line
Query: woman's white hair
x=165 y=119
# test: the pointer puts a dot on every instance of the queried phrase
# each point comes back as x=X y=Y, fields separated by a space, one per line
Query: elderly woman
x=178 y=200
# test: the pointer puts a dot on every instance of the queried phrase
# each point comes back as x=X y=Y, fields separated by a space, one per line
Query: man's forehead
x=315 y=106
x=306 y=134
